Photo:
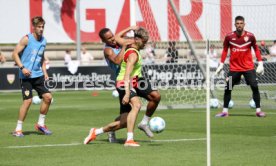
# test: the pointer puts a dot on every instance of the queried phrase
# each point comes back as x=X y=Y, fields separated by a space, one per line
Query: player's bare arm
x=120 y=37
x=122 y=41
x=44 y=70
x=15 y=55
x=131 y=60
x=117 y=59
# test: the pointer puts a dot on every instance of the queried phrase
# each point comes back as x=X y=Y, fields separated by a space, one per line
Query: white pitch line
x=177 y=140
x=38 y=146
x=75 y=144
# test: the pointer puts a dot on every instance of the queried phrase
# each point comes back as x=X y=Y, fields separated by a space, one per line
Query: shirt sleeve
x=256 y=49
x=224 y=50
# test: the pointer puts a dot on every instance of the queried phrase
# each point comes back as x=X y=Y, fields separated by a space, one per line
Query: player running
x=241 y=63
x=29 y=56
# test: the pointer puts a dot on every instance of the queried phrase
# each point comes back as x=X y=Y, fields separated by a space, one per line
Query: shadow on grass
x=32 y=133
x=249 y=115
x=122 y=141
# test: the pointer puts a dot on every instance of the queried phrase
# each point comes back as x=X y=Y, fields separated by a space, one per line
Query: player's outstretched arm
x=120 y=37
x=122 y=41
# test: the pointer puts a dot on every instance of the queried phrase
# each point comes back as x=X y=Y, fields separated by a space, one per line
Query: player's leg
x=251 y=79
x=121 y=122
x=27 y=95
x=153 y=97
x=232 y=79
x=123 y=109
x=131 y=119
x=46 y=96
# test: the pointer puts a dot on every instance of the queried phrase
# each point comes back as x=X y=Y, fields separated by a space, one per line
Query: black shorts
x=250 y=77
x=127 y=107
x=143 y=90
x=27 y=85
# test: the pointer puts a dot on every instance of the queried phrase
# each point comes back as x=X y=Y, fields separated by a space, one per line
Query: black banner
x=102 y=77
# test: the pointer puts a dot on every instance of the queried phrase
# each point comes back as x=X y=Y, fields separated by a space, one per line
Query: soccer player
x=241 y=64
x=29 y=56
x=114 y=54
x=130 y=72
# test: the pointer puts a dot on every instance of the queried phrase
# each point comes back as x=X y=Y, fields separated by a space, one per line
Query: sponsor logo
x=239 y=49
x=27 y=92
x=246 y=38
x=10 y=78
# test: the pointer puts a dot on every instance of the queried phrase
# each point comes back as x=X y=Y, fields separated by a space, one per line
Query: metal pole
x=208 y=119
x=203 y=71
x=132 y=12
x=78 y=36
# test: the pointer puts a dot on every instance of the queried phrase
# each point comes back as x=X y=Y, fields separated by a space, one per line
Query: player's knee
x=155 y=96
x=47 y=97
x=28 y=101
x=137 y=106
x=123 y=124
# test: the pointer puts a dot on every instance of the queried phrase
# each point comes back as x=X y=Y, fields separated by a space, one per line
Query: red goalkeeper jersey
x=240 y=51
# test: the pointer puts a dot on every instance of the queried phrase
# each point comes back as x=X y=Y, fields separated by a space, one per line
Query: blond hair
x=142 y=33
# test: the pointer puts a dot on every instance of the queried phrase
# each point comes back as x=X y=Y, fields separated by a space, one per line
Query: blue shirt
x=31 y=57
x=113 y=66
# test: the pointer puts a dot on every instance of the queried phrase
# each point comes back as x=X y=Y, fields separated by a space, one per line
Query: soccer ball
x=36 y=100
x=115 y=93
x=231 y=104
x=157 y=124
x=252 y=103
x=214 y=103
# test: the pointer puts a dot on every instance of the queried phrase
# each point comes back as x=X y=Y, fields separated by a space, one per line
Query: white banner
x=202 y=18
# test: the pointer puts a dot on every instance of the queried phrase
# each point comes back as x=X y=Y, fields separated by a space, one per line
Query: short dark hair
x=36 y=20
x=241 y=18
x=102 y=32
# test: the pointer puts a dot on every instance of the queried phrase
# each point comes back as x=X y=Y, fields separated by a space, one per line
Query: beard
x=239 y=30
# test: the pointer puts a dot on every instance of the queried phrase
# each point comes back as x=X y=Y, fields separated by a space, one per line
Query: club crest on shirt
x=27 y=92
x=10 y=78
x=246 y=38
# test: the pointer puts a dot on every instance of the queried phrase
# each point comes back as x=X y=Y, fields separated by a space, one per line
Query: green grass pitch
x=241 y=139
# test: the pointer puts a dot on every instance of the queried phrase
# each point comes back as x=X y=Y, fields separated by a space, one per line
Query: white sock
x=19 y=125
x=41 y=120
x=145 y=120
x=129 y=136
x=99 y=131
x=258 y=110
x=225 y=110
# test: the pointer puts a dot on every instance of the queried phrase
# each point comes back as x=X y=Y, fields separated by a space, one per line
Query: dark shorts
x=27 y=85
x=250 y=77
x=143 y=90
x=127 y=107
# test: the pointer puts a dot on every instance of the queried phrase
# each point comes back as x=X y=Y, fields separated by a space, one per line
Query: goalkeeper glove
x=219 y=68
x=260 y=68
